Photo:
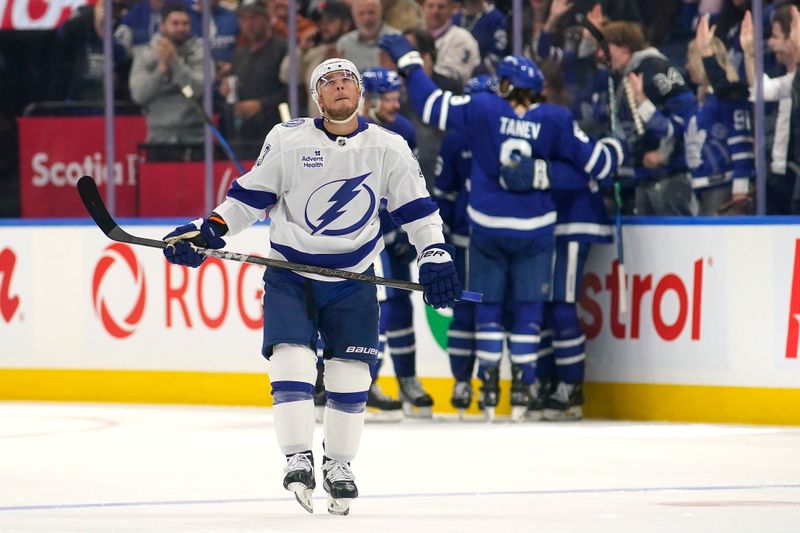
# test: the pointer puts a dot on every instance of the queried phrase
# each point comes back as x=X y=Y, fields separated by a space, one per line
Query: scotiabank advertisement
x=56 y=151
x=709 y=305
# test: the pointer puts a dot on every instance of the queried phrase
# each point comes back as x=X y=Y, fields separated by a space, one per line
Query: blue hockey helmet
x=482 y=83
x=379 y=80
x=521 y=73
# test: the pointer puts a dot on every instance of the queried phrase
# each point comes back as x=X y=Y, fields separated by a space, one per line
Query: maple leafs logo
x=694 y=139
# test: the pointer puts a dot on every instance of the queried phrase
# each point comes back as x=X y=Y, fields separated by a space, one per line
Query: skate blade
x=411 y=411
x=489 y=414
x=376 y=415
x=339 y=506
x=303 y=495
x=571 y=414
x=518 y=413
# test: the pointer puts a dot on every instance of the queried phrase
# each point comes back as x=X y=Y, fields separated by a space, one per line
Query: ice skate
x=340 y=485
x=540 y=391
x=299 y=478
x=382 y=407
x=416 y=402
x=490 y=391
x=566 y=402
x=462 y=397
x=520 y=394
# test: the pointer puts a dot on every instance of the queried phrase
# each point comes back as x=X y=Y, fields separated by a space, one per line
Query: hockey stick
x=90 y=196
x=615 y=131
x=188 y=92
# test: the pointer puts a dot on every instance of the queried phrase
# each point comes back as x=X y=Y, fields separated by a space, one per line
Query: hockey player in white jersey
x=322 y=181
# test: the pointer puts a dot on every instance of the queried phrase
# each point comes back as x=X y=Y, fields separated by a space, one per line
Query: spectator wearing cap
x=172 y=62
x=361 y=45
x=333 y=22
x=258 y=90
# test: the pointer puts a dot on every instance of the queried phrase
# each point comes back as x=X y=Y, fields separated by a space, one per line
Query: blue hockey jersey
x=719 y=143
x=404 y=128
x=223 y=30
x=451 y=187
x=665 y=113
x=581 y=212
x=719 y=136
x=490 y=29
x=495 y=132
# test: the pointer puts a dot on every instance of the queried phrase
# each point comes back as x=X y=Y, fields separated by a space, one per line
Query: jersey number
x=513 y=146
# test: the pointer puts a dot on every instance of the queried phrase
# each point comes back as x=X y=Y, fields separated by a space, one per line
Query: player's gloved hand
x=437 y=273
x=525 y=174
x=204 y=233
x=399 y=49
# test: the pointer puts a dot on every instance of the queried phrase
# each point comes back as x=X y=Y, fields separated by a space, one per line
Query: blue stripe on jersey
x=255 y=199
x=414 y=210
x=344 y=260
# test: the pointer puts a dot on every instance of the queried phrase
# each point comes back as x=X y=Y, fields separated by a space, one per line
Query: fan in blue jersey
x=382 y=92
x=322 y=181
x=451 y=195
x=662 y=106
x=489 y=26
x=511 y=212
x=718 y=137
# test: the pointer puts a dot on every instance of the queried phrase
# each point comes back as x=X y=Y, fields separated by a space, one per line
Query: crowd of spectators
x=683 y=70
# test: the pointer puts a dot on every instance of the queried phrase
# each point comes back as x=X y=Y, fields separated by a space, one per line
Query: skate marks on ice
x=178 y=468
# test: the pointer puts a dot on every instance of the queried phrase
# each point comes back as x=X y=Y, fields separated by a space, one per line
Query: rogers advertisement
x=56 y=151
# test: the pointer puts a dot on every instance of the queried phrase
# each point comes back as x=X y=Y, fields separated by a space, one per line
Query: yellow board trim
x=623 y=401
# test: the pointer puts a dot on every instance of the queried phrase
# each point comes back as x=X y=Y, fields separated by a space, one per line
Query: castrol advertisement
x=706 y=305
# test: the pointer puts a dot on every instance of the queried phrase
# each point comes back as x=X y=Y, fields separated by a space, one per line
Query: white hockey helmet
x=331 y=66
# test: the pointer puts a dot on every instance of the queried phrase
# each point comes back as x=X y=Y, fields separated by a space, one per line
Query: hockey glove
x=399 y=49
x=525 y=174
x=437 y=274
x=202 y=233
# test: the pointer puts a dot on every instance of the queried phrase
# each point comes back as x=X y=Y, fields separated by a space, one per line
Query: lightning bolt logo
x=339 y=200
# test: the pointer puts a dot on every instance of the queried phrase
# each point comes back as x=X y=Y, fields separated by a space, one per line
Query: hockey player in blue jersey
x=718 y=137
x=322 y=181
x=383 y=89
x=581 y=222
x=511 y=213
x=451 y=195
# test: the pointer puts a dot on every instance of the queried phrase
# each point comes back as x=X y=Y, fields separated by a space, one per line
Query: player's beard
x=341 y=114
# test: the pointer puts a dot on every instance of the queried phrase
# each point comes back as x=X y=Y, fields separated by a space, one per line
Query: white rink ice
x=118 y=468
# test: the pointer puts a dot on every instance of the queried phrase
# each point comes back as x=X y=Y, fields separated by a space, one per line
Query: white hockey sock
x=346 y=383
x=342 y=433
x=293 y=370
x=294 y=426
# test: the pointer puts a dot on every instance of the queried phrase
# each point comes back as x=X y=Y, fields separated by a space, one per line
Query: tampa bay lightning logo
x=340 y=207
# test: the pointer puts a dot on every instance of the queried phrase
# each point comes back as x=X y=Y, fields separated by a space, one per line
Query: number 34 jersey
x=323 y=193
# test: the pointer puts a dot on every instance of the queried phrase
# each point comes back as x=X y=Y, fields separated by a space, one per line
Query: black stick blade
x=90 y=196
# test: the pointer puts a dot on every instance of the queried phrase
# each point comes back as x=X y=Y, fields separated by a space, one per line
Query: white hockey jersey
x=323 y=192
